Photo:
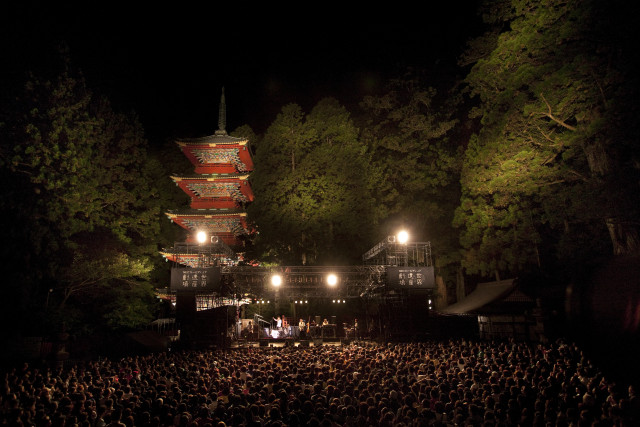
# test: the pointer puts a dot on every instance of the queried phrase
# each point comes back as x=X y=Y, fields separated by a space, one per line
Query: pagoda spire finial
x=222 y=116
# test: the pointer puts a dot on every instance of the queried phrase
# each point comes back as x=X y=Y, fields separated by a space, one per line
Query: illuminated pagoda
x=219 y=191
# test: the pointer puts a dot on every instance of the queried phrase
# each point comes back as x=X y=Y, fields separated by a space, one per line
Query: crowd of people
x=453 y=383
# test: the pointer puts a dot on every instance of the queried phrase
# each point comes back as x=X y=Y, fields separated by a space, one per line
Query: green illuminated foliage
x=553 y=162
x=312 y=186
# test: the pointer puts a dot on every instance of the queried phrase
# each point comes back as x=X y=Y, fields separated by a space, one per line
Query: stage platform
x=290 y=342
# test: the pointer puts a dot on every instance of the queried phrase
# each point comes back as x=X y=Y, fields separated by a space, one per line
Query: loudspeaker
x=317 y=342
x=333 y=320
x=304 y=343
x=264 y=343
x=318 y=321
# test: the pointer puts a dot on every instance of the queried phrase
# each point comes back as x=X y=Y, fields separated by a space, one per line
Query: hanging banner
x=411 y=277
x=195 y=279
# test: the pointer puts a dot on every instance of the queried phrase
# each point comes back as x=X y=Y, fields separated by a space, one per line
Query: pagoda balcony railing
x=208 y=249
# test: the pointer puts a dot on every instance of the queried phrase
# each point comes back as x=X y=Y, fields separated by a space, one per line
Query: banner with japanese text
x=411 y=277
x=195 y=279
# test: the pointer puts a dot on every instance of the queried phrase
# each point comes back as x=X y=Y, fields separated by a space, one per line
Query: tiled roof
x=207 y=212
x=217 y=138
x=212 y=177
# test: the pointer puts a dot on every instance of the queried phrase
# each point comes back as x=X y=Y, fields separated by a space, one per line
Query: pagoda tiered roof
x=225 y=223
x=219 y=153
x=217 y=191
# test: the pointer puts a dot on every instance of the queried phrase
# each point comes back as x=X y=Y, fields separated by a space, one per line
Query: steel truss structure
x=301 y=282
x=305 y=282
x=390 y=252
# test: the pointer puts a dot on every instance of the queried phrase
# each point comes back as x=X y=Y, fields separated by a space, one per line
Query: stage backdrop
x=410 y=278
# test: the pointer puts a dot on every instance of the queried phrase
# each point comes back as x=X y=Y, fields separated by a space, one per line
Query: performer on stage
x=278 y=322
x=325 y=322
x=302 y=328
x=356 y=333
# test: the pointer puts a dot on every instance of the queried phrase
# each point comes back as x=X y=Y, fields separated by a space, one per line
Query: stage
x=290 y=342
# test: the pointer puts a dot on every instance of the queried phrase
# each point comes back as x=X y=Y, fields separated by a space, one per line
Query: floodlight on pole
x=201 y=237
x=276 y=280
x=332 y=279
x=403 y=237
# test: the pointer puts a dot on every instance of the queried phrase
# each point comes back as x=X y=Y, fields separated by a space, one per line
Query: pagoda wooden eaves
x=218 y=154
x=216 y=191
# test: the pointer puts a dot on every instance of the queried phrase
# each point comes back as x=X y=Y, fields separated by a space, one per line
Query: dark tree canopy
x=79 y=195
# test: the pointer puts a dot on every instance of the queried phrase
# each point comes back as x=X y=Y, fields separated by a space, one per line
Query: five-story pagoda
x=219 y=191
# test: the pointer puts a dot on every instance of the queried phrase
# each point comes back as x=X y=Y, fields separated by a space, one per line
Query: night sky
x=169 y=63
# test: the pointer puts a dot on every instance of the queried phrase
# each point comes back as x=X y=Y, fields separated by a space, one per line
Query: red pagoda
x=219 y=191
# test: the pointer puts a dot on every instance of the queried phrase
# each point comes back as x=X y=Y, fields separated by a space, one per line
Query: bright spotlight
x=332 y=280
x=403 y=237
x=201 y=237
x=276 y=280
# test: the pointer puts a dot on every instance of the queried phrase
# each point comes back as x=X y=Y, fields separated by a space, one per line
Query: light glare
x=332 y=280
x=276 y=280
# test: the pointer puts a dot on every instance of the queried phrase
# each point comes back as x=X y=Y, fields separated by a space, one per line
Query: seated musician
x=325 y=322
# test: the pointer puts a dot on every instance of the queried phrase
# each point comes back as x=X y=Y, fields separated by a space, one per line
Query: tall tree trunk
x=624 y=237
x=441 y=300
x=461 y=291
